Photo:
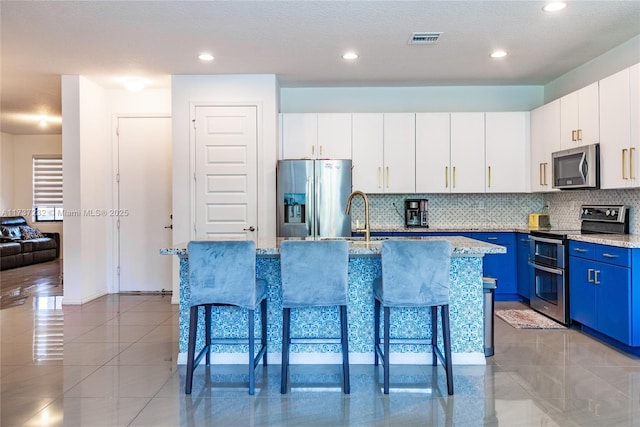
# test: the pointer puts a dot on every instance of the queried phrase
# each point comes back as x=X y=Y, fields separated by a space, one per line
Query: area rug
x=527 y=319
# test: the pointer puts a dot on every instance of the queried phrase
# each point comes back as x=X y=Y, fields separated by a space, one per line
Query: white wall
x=6 y=174
x=612 y=61
x=187 y=90
x=410 y=99
x=24 y=148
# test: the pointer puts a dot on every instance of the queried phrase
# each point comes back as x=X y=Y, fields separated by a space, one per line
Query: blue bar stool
x=314 y=273
x=415 y=273
x=224 y=274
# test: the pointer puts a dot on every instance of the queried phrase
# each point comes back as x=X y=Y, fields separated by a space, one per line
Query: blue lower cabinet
x=523 y=277
x=601 y=293
x=502 y=267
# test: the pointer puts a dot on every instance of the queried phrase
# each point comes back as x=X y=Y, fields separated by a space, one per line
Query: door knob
x=169 y=226
x=252 y=228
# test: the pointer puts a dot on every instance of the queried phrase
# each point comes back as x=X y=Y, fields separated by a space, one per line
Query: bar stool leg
x=191 y=351
x=345 y=349
x=286 y=317
x=263 y=340
x=252 y=341
x=207 y=332
x=444 y=313
x=376 y=330
x=385 y=358
x=434 y=335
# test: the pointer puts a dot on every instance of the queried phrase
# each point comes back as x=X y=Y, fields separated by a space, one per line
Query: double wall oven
x=549 y=258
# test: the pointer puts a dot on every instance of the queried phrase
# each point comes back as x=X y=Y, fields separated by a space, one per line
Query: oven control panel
x=608 y=213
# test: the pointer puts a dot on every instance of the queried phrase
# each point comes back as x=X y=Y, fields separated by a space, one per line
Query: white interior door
x=144 y=202
x=226 y=190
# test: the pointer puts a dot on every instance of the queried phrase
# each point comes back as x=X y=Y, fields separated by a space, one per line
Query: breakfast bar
x=466 y=309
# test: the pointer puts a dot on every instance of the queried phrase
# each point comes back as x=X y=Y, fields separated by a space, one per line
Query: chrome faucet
x=367 y=228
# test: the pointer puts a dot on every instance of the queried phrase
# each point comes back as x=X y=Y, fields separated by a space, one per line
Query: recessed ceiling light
x=350 y=55
x=554 y=6
x=499 y=54
x=134 y=84
x=205 y=57
x=43 y=121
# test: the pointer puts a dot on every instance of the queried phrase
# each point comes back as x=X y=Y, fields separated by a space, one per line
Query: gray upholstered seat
x=415 y=273
x=224 y=273
x=314 y=273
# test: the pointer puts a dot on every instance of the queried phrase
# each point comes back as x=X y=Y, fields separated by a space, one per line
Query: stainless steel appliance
x=416 y=212
x=577 y=167
x=549 y=258
x=312 y=196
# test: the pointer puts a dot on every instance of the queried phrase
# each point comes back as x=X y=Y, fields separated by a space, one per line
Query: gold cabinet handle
x=379 y=178
x=321 y=150
x=545 y=173
x=446 y=177
x=313 y=150
x=624 y=163
x=579 y=134
x=387 y=176
x=489 y=186
x=540 y=173
x=631 y=150
x=573 y=135
x=454 y=177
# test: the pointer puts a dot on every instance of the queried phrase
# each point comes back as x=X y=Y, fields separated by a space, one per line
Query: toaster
x=539 y=220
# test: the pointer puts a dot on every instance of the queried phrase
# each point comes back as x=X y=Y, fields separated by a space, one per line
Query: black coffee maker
x=416 y=213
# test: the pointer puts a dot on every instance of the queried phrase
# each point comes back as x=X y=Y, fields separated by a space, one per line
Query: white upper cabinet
x=399 y=153
x=384 y=152
x=316 y=136
x=620 y=129
x=506 y=152
x=467 y=153
x=433 y=164
x=367 y=152
x=545 y=139
x=579 y=119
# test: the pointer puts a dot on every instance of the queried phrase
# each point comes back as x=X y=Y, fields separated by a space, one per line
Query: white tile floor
x=111 y=362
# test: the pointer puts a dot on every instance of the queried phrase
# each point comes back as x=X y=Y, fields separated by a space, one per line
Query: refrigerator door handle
x=317 y=208
x=309 y=211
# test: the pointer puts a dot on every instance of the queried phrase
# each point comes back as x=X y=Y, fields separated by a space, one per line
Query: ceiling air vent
x=424 y=38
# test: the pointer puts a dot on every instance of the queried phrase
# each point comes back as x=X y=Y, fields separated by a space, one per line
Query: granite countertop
x=619 y=240
x=464 y=229
x=462 y=246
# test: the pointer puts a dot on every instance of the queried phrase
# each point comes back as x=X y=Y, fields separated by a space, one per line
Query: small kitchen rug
x=527 y=319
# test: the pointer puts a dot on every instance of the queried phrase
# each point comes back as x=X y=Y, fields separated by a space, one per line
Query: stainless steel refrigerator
x=312 y=197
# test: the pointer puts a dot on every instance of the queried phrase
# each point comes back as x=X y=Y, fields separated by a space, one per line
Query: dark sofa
x=18 y=249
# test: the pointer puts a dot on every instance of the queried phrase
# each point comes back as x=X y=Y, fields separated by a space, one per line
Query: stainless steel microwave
x=577 y=167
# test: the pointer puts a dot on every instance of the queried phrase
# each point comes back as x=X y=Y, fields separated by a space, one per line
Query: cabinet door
x=582 y=301
x=432 y=153
x=523 y=266
x=545 y=139
x=334 y=136
x=615 y=126
x=613 y=291
x=467 y=153
x=399 y=153
x=634 y=147
x=299 y=135
x=501 y=266
x=367 y=152
x=580 y=117
x=506 y=152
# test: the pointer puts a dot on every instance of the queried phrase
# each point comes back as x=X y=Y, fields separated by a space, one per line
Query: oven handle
x=545 y=240
x=547 y=269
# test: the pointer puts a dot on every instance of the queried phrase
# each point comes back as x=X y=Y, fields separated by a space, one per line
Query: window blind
x=47 y=188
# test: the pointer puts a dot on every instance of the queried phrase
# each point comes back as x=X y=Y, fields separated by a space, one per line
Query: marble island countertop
x=462 y=246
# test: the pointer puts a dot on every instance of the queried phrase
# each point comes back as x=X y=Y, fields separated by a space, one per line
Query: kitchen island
x=466 y=310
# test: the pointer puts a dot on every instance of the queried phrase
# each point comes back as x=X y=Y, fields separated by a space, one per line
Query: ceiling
x=299 y=41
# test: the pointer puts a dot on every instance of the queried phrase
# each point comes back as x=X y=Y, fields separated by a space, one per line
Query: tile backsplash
x=496 y=210
x=452 y=210
x=564 y=206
